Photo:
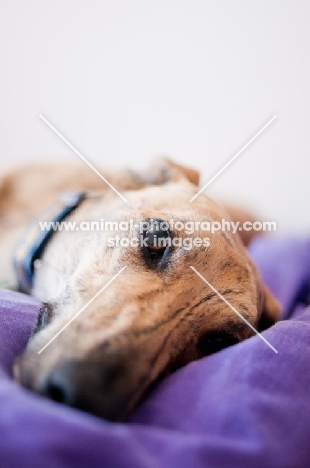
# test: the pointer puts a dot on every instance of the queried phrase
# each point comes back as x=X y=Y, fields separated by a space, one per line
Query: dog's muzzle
x=87 y=386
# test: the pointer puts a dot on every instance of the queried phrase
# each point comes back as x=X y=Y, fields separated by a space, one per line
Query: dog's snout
x=84 y=385
x=61 y=385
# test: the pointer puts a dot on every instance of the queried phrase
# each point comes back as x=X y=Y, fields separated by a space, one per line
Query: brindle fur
x=149 y=321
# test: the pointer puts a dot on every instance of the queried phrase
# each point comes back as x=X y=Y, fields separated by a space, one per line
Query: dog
x=157 y=315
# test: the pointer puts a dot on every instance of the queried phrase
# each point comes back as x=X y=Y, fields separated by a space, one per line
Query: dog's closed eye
x=215 y=341
x=44 y=317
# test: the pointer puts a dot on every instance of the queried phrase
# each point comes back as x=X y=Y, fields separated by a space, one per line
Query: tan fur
x=148 y=322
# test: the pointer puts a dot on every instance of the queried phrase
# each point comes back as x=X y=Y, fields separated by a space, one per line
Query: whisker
x=57 y=260
x=37 y=264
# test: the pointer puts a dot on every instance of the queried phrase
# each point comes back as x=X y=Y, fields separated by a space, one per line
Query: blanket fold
x=245 y=406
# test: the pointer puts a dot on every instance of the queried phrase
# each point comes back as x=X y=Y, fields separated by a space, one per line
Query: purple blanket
x=243 y=407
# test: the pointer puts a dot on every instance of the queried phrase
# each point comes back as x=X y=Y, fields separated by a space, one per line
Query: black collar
x=35 y=239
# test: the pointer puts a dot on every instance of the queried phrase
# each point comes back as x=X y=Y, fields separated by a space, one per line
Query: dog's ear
x=164 y=170
x=270 y=310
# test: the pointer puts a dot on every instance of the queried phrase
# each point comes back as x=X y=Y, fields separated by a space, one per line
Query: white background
x=125 y=81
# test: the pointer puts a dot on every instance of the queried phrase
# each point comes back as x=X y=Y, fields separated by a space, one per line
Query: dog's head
x=157 y=315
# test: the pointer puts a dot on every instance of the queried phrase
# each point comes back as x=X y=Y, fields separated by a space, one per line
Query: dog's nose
x=86 y=386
